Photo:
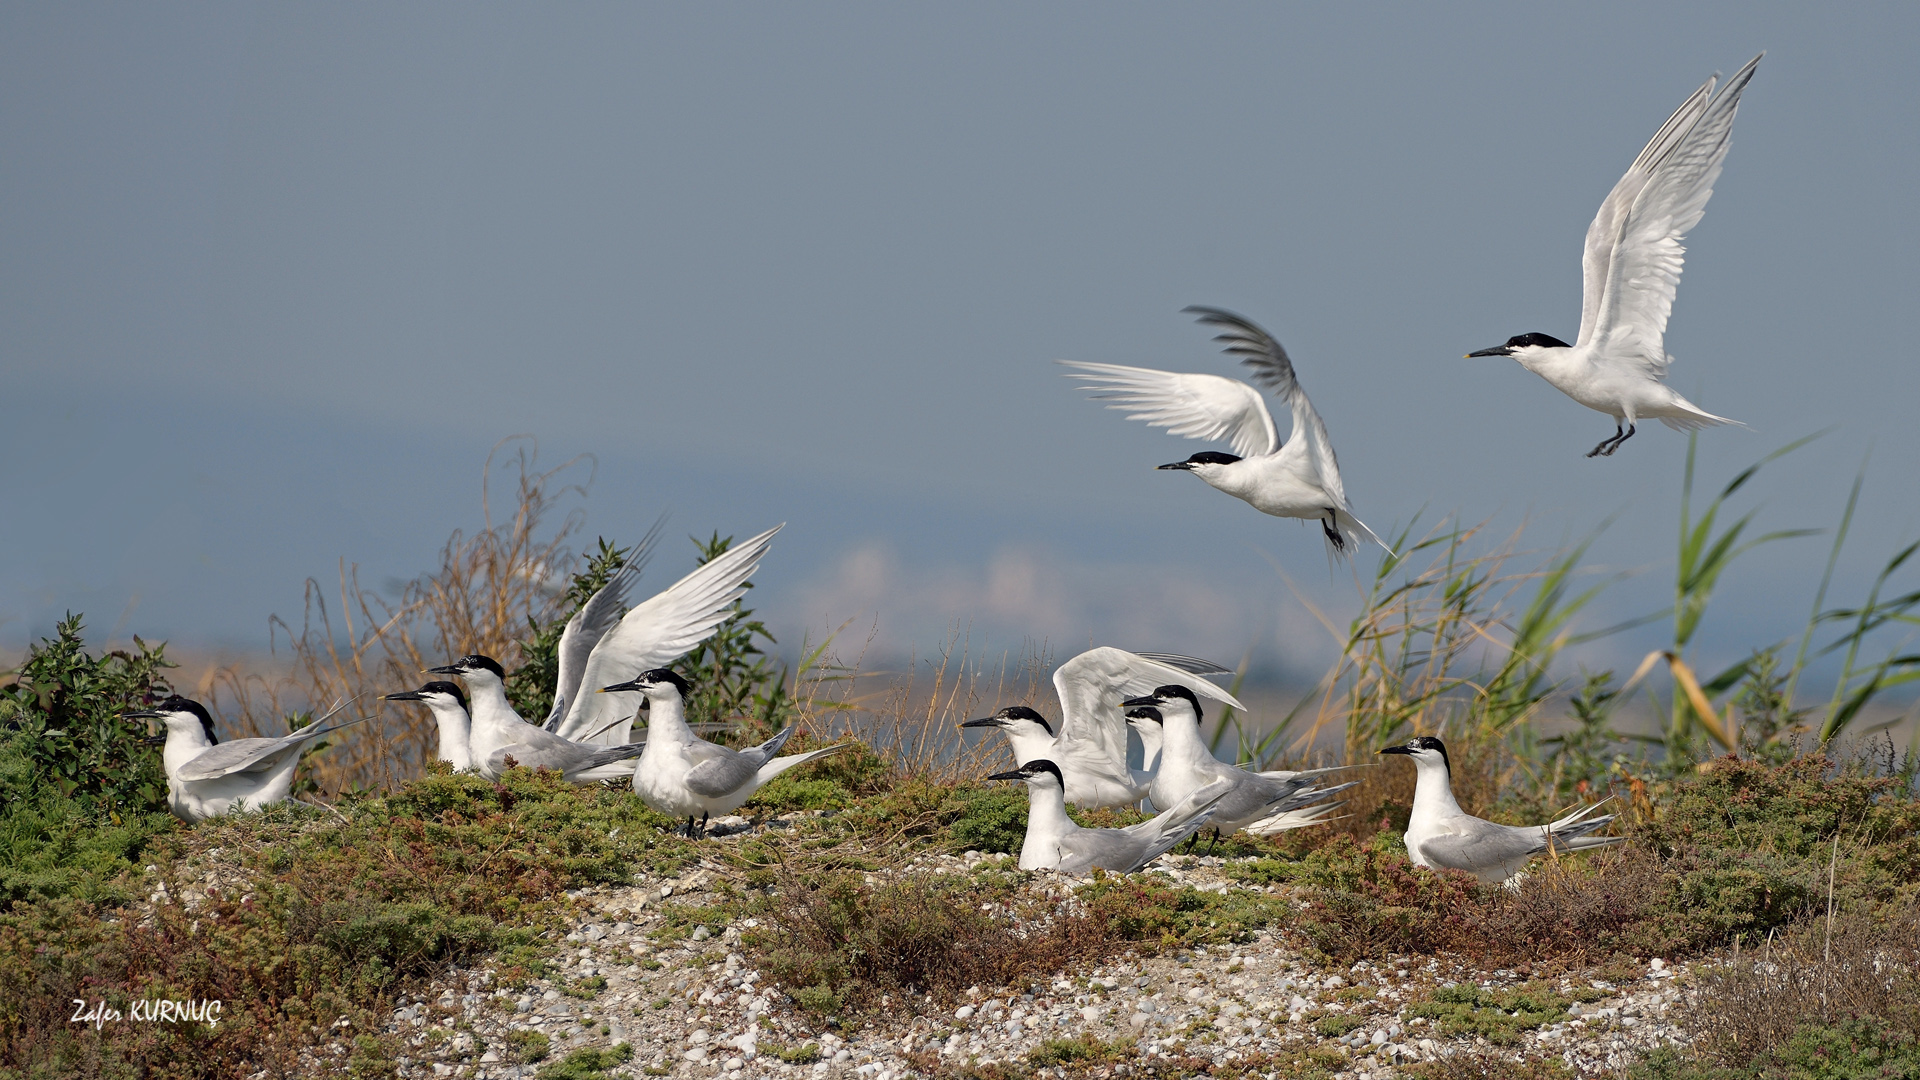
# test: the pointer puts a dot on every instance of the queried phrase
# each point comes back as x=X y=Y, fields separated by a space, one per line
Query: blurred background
x=276 y=281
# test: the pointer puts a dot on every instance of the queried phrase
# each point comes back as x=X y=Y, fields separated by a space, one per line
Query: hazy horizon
x=278 y=278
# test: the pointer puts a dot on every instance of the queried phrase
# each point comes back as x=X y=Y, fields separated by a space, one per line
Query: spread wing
x=655 y=634
x=588 y=625
x=1196 y=406
x=1092 y=685
x=1634 y=255
x=1274 y=370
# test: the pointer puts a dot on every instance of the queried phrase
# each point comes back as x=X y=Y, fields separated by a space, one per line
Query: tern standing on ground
x=497 y=732
x=1055 y=842
x=1298 y=479
x=1186 y=766
x=684 y=775
x=208 y=778
x=1439 y=833
x=1098 y=766
x=1630 y=270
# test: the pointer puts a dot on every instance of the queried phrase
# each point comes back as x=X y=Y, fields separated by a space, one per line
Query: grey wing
x=1103 y=849
x=723 y=774
x=240 y=755
x=1192 y=664
x=608 y=755
x=1273 y=369
x=1487 y=847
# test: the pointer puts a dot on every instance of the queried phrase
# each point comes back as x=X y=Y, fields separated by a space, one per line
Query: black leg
x=689 y=826
x=703 y=825
x=1194 y=840
x=1621 y=439
x=1213 y=840
x=1331 y=527
x=1607 y=444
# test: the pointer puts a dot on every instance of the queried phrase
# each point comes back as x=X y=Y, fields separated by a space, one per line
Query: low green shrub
x=587 y=1064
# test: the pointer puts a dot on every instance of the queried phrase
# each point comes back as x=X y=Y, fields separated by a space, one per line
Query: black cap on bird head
x=471 y=663
x=1420 y=747
x=1010 y=713
x=1149 y=712
x=1522 y=341
x=1204 y=457
x=652 y=677
x=430 y=689
x=1036 y=767
x=175 y=705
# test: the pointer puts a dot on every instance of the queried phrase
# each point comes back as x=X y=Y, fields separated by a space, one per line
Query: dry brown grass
x=363 y=645
x=1819 y=972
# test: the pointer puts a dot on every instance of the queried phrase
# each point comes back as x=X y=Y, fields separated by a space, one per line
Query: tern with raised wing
x=652 y=635
x=1056 y=842
x=208 y=778
x=498 y=735
x=1440 y=834
x=449 y=708
x=1299 y=478
x=1630 y=270
x=684 y=775
x=1099 y=766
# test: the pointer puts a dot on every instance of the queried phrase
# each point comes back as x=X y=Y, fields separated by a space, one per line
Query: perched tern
x=1630 y=270
x=658 y=632
x=208 y=778
x=449 y=708
x=1441 y=834
x=1098 y=765
x=1055 y=842
x=682 y=774
x=1299 y=478
x=1186 y=766
x=498 y=733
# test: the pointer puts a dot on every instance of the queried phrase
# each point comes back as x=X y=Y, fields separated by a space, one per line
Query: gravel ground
x=698 y=1009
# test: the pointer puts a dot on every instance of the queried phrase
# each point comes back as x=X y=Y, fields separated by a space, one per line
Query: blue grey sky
x=275 y=277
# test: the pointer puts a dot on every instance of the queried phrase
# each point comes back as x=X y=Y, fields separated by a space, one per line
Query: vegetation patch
x=587 y=1064
x=1498 y=1016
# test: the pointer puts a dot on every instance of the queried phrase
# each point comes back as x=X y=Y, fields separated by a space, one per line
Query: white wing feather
x=1273 y=369
x=1634 y=247
x=588 y=625
x=1209 y=407
x=655 y=634
x=1092 y=685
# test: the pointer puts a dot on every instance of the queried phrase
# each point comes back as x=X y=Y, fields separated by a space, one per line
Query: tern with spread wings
x=497 y=736
x=1630 y=271
x=1299 y=478
x=609 y=647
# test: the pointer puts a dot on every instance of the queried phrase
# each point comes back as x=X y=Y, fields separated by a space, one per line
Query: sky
x=275 y=278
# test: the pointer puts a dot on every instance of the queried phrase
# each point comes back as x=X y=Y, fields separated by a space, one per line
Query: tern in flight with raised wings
x=1299 y=478
x=1630 y=270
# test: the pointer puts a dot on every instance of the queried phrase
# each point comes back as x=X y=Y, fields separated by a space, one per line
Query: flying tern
x=1441 y=834
x=658 y=632
x=1186 y=766
x=449 y=708
x=1055 y=842
x=1299 y=478
x=498 y=733
x=1098 y=765
x=682 y=774
x=208 y=778
x=1630 y=271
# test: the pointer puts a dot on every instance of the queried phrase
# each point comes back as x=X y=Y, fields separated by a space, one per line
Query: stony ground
x=697 y=1008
